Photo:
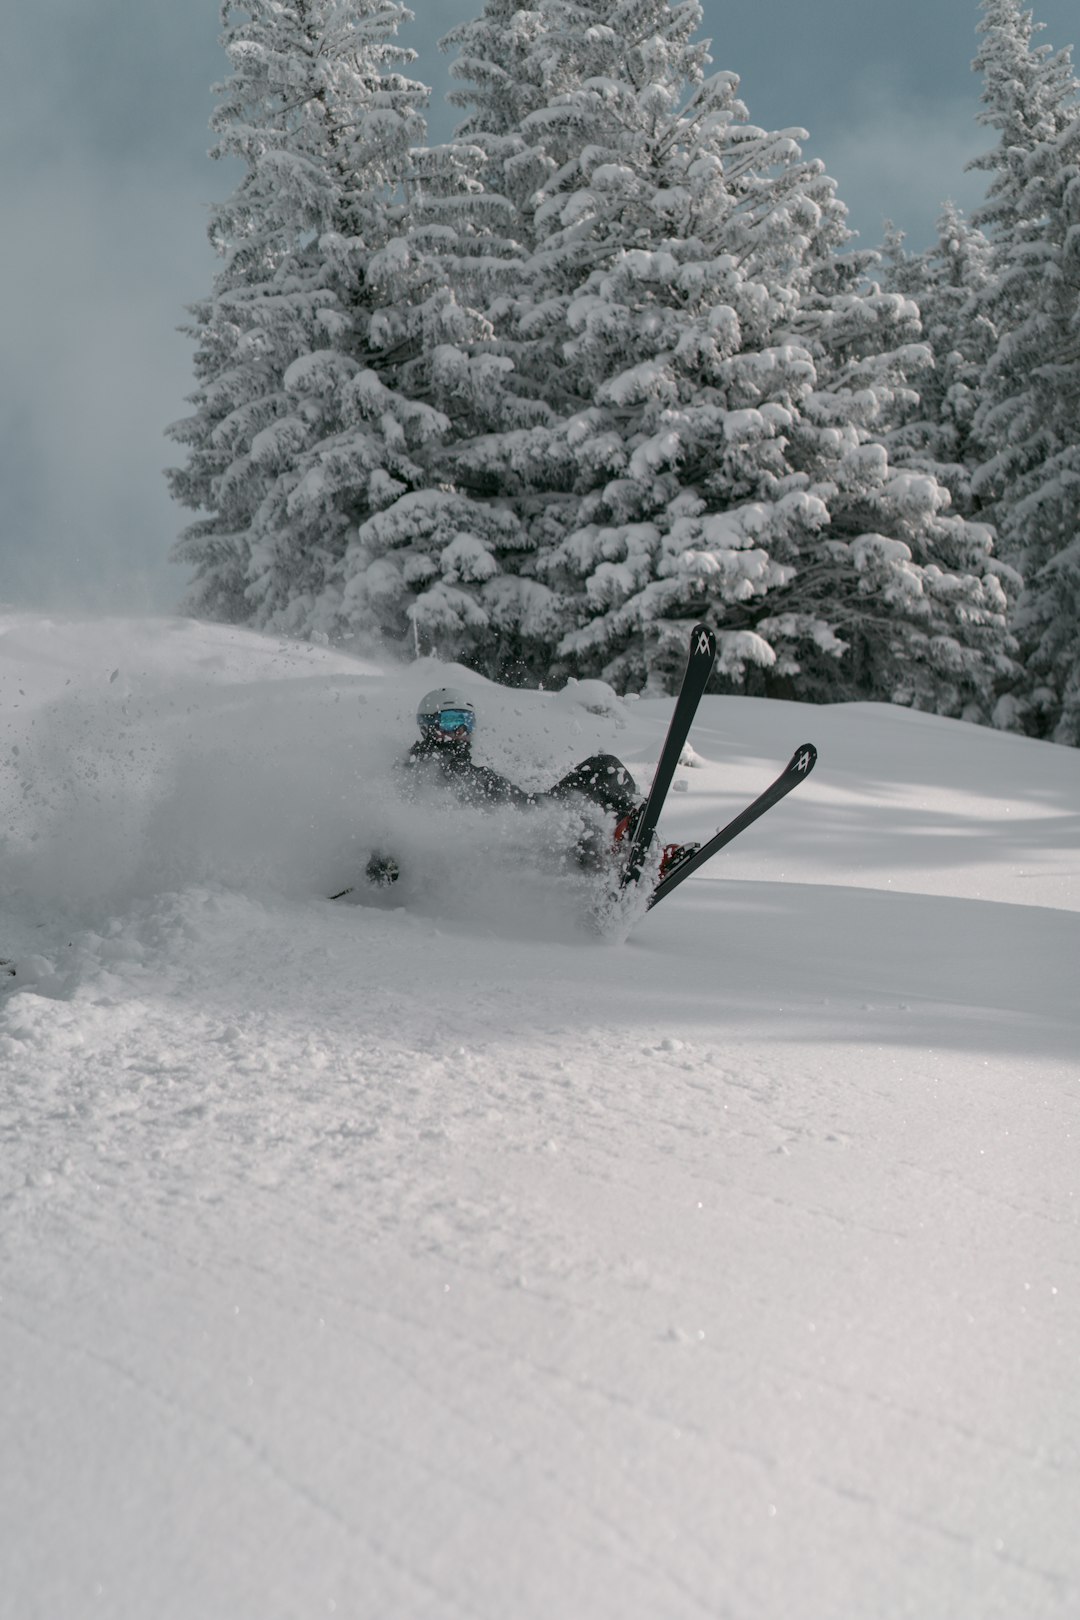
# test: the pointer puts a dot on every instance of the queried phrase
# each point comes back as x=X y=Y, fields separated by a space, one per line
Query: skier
x=443 y=758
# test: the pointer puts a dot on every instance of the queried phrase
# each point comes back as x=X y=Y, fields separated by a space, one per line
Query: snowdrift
x=433 y=1257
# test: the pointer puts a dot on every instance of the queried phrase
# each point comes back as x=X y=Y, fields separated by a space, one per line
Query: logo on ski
x=805 y=760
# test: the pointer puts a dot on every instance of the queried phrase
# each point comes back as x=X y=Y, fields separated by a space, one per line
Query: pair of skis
x=699 y=665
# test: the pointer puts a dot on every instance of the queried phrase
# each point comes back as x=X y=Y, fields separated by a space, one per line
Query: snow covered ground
x=425 y=1260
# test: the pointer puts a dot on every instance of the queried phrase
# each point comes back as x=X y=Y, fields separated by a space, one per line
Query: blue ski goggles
x=450 y=720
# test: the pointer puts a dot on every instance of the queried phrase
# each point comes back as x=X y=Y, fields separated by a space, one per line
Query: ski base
x=797 y=770
x=699 y=666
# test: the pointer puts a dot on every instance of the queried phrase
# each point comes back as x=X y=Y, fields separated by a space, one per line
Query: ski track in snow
x=440 y=1259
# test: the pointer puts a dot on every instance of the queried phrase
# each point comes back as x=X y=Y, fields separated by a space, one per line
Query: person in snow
x=442 y=758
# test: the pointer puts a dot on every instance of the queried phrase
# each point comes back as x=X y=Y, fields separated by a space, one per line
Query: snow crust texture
x=433 y=1257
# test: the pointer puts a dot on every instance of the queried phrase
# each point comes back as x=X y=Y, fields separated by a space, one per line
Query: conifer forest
x=609 y=361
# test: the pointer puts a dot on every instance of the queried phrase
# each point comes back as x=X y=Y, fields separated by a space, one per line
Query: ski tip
x=803 y=760
x=703 y=641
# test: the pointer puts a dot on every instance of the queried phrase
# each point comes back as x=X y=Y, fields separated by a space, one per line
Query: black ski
x=699 y=665
x=797 y=770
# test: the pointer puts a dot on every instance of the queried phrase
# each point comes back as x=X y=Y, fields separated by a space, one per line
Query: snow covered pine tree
x=308 y=453
x=718 y=381
x=1028 y=422
x=946 y=281
x=322 y=120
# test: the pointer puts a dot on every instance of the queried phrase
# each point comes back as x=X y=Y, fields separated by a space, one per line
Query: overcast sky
x=105 y=181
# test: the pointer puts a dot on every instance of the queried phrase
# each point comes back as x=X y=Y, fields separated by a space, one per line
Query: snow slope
x=443 y=1260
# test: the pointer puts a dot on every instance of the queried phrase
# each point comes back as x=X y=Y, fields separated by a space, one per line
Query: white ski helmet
x=446 y=712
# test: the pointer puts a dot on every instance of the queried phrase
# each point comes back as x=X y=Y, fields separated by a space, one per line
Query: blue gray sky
x=105 y=182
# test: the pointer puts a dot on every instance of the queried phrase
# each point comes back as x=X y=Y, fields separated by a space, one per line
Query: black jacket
x=432 y=764
x=601 y=778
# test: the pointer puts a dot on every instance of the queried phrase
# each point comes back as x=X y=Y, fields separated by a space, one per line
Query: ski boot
x=673 y=857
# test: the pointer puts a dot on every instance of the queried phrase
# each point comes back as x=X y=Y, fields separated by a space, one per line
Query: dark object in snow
x=699 y=663
x=797 y=770
x=381 y=871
